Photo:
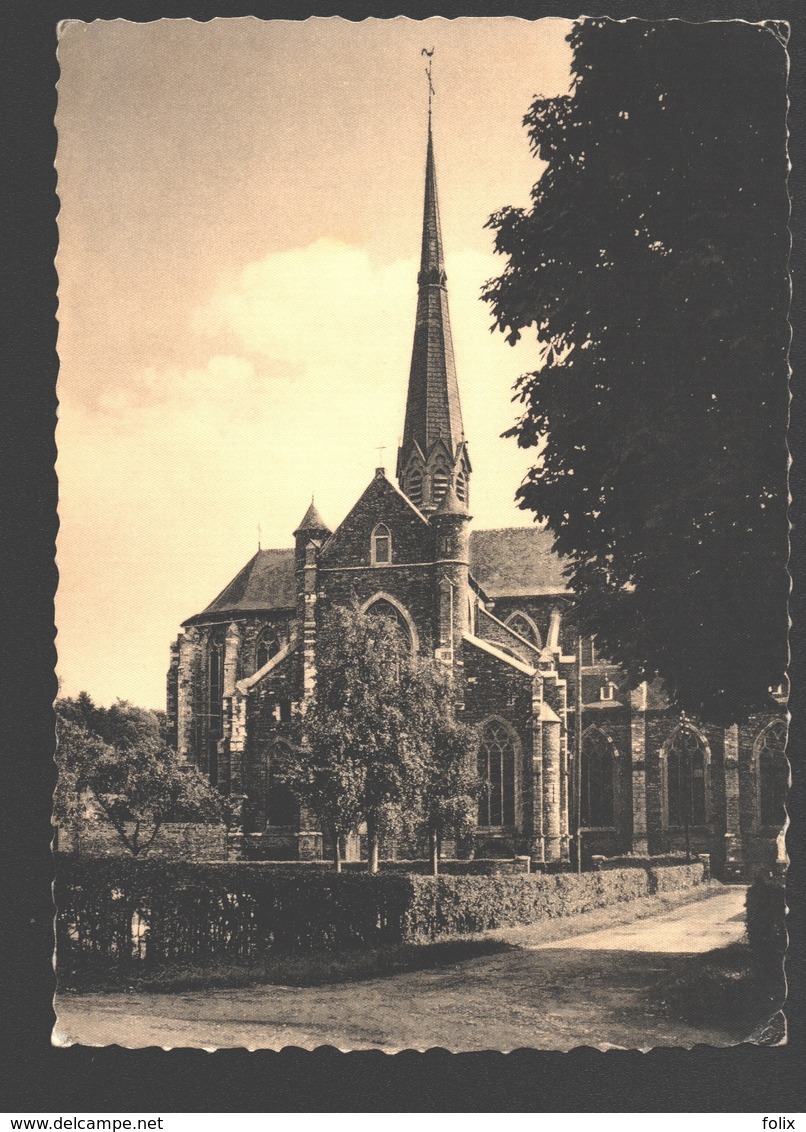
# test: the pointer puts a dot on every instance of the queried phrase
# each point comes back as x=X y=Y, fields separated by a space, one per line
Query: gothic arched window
x=461 y=487
x=381 y=545
x=268 y=645
x=496 y=769
x=215 y=705
x=685 y=778
x=596 y=802
x=383 y=608
x=773 y=773
x=525 y=627
x=282 y=808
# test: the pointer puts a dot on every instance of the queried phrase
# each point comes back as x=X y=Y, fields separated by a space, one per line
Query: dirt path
x=593 y=989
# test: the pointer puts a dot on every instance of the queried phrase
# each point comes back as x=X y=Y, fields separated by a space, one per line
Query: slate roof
x=516 y=562
x=265 y=583
x=313 y=521
x=511 y=562
x=433 y=411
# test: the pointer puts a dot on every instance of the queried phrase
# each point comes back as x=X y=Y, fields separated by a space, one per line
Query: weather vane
x=430 y=56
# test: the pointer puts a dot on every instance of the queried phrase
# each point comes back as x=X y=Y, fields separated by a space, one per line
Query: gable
x=381 y=503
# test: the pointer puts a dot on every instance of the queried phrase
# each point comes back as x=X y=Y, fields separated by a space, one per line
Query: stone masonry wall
x=496 y=688
x=182 y=841
x=412 y=539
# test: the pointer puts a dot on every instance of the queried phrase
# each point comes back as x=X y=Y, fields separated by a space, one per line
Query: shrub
x=765 y=911
x=119 y=912
x=456 y=905
x=671 y=878
x=123 y=911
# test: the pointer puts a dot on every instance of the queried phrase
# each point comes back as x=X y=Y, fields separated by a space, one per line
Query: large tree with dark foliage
x=653 y=266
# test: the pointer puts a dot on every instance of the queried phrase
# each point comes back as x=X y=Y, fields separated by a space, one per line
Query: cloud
x=162 y=490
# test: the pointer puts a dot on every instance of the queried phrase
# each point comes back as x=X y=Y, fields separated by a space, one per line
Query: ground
x=601 y=988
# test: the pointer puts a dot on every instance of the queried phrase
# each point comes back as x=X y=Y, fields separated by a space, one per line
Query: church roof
x=313 y=521
x=516 y=562
x=433 y=411
x=265 y=583
x=510 y=562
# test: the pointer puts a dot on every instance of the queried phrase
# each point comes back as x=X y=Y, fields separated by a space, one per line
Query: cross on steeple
x=380 y=450
x=430 y=55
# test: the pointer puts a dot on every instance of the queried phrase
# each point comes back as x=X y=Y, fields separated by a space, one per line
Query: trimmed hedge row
x=455 y=905
x=152 y=912
x=478 y=866
x=672 y=878
x=632 y=861
x=765 y=912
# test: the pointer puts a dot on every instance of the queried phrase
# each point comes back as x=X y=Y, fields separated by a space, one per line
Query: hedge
x=153 y=912
x=455 y=905
x=672 y=878
x=765 y=911
x=478 y=866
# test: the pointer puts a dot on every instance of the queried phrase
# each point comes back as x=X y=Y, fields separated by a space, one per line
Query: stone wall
x=180 y=841
x=539 y=610
x=412 y=537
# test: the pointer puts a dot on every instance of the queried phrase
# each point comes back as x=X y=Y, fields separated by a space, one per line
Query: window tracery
x=525 y=627
x=685 y=778
x=597 y=788
x=496 y=769
x=773 y=773
x=268 y=645
x=381 y=607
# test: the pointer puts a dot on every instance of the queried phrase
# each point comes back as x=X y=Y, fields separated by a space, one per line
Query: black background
x=38 y=1078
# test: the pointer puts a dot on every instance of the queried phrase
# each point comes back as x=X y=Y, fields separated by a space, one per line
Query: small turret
x=308 y=538
x=313 y=525
x=451 y=523
x=312 y=529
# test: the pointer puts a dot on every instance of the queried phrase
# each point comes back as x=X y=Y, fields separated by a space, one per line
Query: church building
x=494 y=606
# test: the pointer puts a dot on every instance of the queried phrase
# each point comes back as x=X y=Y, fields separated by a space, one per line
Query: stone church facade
x=494 y=607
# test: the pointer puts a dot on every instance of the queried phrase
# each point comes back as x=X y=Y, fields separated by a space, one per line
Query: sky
x=239 y=233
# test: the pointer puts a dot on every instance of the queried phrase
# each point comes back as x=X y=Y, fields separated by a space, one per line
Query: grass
x=287 y=970
x=721 y=987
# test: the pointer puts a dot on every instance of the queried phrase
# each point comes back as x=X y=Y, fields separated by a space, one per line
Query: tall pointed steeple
x=433 y=452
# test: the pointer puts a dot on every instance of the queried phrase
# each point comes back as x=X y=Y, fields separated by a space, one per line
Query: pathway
x=592 y=989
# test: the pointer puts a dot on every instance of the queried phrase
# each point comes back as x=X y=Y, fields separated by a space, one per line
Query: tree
x=353 y=763
x=380 y=740
x=446 y=784
x=119 y=758
x=653 y=267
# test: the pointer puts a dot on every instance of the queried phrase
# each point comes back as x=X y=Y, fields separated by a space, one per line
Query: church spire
x=433 y=452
